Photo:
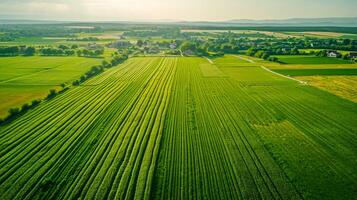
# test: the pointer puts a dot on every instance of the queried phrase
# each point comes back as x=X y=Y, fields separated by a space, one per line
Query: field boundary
x=209 y=60
x=294 y=79
x=266 y=69
x=246 y=59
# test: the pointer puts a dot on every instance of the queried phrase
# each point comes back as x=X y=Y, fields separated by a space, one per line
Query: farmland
x=343 y=86
x=339 y=79
x=23 y=79
x=183 y=128
x=310 y=60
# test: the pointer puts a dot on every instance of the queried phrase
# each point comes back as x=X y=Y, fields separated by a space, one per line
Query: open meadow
x=324 y=73
x=23 y=79
x=183 y=128
x=311 y=60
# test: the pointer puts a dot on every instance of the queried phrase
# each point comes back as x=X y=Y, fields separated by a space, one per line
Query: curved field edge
x=23 y=79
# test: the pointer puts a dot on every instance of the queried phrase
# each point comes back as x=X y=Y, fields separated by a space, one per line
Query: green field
x=311 y=60
x=343 y=86
x=23 y=79
x=182 y=128
x=318 y=72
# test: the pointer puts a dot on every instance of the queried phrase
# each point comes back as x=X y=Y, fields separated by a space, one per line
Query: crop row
x=99 y=140
x=254 y=135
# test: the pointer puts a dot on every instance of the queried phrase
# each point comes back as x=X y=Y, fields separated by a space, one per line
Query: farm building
x=120 y=44
x=173 y=45
x=94 y=46
x=333 y=54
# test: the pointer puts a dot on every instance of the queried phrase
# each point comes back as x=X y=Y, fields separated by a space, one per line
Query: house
x=120 y=44
x=94 y=46
x=188 y=52
x=333 y=54
x=153 y=50
x=173 y=45
x=353 y=55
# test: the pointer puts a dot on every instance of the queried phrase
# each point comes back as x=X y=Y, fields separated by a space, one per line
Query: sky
x=190 y=10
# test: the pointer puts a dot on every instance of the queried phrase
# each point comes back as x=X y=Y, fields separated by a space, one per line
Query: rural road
x=209 y=60
x=266 y=69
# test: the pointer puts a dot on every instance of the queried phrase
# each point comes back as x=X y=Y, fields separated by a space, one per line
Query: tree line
x=95 y=70
x=61 y=50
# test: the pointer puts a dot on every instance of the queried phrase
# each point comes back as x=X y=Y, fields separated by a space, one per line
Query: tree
x=346 y=42
x=294 y=51
x=345 y=57
x=188 y=46
x=52 y=94
x=273 y=59
x=265 y=55
x=30 y=51
x=99 y=52
x=139 y=43
x=35 y=102
x=63 y=47
x=105 y=64
x=259 y=54
x=14 y=112
x=250 y=52
x=69 y=52
x=79 y=52
x=25 y=107
x=10 y=51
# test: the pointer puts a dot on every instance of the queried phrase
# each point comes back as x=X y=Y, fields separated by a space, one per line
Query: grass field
x=23 y=79
x=311 y=60
x=323 y=35
x=103 y=38
x=318 y=72
x=182 y=128
x=343 y=86
x=338 y=79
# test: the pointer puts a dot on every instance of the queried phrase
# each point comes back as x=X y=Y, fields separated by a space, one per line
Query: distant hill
x=293 y=22
x=19 y=21
x=337 y=21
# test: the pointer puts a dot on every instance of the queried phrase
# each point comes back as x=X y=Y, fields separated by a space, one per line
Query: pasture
x=183 y=128
x=23 y=79
x=311 y=60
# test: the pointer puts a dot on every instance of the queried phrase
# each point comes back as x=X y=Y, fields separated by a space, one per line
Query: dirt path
x=266 y=69
x=302 y=82
x=246 y=59
x=209 y=60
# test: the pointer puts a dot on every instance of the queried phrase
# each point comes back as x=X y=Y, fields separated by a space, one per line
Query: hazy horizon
x=152 y=10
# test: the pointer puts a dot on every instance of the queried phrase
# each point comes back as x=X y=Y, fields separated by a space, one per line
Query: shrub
x=25 y=107
x=273 y=59
x=35 y=102
x=52 y=94
x=13 y=112
x=75 y=83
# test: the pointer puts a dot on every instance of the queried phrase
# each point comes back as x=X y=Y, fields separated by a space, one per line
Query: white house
x=333 y=54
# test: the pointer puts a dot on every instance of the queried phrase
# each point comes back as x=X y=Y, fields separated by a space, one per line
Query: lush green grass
x=317 y=72
x=23 y=79
x=310 y=60
x=98 y=141
x=178 y=128
x=253 y=134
